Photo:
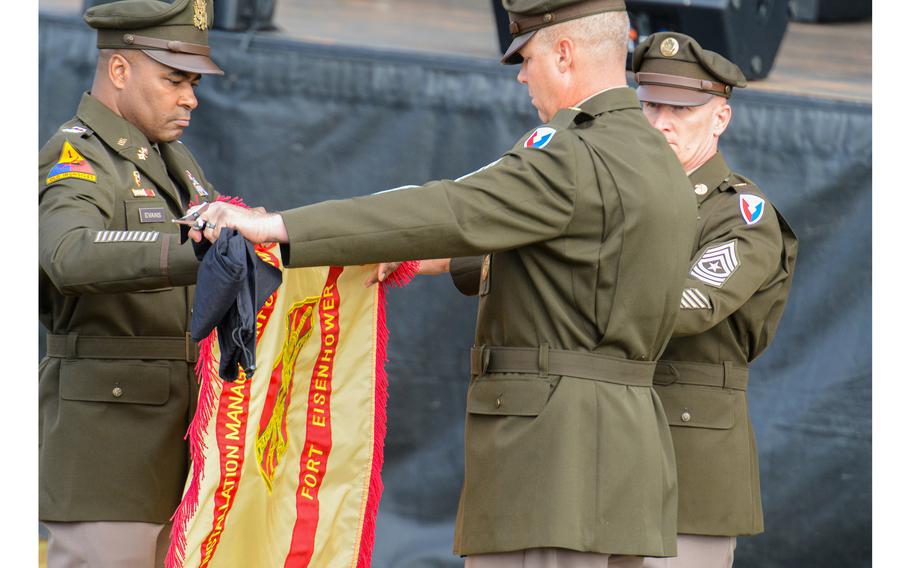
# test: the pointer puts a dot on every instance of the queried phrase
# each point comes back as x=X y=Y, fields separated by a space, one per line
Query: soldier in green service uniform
x=117 y=389
x=587 y=224
x=737 y=285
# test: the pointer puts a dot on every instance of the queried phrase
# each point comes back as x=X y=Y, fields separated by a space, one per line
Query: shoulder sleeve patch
x=540 y=137
x=716 y=264
x=752 y=208
x=71 y=164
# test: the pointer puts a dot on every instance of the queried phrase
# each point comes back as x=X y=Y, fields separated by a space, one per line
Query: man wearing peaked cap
x=116 y=390
x=737 y=286
x=586 y=226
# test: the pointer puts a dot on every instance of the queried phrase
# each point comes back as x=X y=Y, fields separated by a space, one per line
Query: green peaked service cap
x=174 y=34
x=528 y=16
x=671 y=68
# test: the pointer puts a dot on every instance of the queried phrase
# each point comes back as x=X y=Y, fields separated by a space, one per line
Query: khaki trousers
x=551 y=558
x=695 y=551
x=106 y=544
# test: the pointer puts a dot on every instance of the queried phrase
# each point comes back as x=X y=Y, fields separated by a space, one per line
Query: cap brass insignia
x=121 y=142
x=142 y=153
x=669 y=47
x=200 y=18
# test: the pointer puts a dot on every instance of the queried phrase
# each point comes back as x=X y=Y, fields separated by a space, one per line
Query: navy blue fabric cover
x=231 y=286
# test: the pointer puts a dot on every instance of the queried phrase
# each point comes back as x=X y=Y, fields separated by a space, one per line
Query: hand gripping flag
x=286 y=463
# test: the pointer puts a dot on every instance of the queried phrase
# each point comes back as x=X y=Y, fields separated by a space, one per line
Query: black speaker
x=747 y=32
x=830 y=10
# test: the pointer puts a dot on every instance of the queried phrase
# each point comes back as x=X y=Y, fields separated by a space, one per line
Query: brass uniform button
x=701 y=189
x=686 y=416
x=117 y=392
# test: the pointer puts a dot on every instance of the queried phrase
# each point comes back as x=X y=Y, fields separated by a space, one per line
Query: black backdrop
x=294 y=123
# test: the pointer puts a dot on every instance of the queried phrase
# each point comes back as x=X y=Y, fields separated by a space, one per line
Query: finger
x=215 y=230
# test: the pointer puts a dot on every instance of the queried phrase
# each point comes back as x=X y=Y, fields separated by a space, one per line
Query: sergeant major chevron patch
x=716 y=264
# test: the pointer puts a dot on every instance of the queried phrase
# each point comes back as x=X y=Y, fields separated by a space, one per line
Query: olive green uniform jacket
x=735 y=294
x=590 y=227
x=116 y=391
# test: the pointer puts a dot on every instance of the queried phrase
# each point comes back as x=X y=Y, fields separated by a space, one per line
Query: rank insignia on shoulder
x=716 y=264
x=752 y=207
x=196 y=185
x=540 y=137
x=71 y=165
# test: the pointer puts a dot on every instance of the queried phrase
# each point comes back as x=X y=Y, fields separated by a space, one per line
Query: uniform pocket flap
x=95 y=380
x=698 y=407
x=518 y=397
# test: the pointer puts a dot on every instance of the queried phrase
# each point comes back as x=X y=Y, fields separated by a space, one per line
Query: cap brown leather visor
x=511 y=56
x=189 y=62
x=677 y=90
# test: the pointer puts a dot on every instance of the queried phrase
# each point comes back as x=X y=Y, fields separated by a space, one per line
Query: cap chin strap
x=167 y=45
x=719 y=89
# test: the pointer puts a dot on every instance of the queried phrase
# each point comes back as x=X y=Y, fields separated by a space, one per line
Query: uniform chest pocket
x=698 y=407
x=148 y=214
x=509 y=397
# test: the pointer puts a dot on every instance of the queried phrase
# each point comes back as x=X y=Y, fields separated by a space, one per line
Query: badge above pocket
x=147 y=215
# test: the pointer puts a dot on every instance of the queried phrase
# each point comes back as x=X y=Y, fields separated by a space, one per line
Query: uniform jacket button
x=686 y=416
x=117 y=392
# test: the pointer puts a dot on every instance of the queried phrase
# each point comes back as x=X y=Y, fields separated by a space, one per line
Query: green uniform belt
x=725 y=375
x=75 y=346
x=544 y=361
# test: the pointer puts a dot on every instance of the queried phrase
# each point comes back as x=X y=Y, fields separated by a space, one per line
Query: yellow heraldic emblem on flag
x=70 y=165
x=271 y=442
x=286 y=462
